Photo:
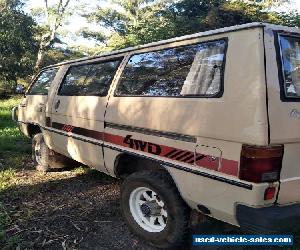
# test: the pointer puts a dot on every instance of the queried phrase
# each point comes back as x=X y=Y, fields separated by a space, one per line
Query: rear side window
x=290 y=57
x=90 y=79
x=193 y=70
x=42 y=83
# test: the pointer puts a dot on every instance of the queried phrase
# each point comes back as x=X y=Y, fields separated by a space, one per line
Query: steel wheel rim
x=148 y=210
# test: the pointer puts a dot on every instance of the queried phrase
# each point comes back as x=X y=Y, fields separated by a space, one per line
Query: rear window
x=290 y=57
x=192 y=70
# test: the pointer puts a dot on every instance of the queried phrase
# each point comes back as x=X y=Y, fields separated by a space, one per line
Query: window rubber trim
x=217 y=95
x=120 y=59
x=37 y=76
x=279 y=60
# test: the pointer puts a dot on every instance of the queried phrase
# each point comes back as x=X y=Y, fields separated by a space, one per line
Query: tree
x=141 y=21
x=54 y=16
x=18 y=46
x=125 y=19
x=268 y=3
x=57 y=55
x=291 y=19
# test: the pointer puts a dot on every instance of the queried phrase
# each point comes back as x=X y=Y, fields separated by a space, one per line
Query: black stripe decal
x=188 y=158
x=57 y=125
x=169 y=135
x=180 y=152
x=171 y=152
x=199 y=157
x=184 y=155
x=78 y=130
x=163 y=163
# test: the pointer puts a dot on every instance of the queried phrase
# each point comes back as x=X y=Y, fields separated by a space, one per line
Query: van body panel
x=84 y=112
x=81 y=112
x=248 y=121
x=221 y=200
x=284 y=122
x=33 y=108
x=219 y=197
x=198 y=140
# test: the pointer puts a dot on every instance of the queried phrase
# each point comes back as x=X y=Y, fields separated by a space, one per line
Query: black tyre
x=40 y=153
x=46 y=159
x=154 y=210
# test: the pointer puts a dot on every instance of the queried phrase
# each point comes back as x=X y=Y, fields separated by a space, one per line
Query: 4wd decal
x=142 y=145
x=199 y=160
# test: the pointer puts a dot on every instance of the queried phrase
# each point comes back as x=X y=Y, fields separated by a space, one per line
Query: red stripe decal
x=227 y=166
x=206 y=161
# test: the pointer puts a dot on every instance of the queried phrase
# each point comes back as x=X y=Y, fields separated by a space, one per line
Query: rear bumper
x=272 y=219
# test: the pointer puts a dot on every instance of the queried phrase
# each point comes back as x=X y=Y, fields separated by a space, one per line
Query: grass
x=14 y=148
x=18 y=179
x=11 y=138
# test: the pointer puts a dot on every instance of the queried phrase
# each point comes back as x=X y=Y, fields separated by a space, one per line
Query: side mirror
x=20 y=89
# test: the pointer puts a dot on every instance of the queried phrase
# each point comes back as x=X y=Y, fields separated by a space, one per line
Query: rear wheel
x=154 y=210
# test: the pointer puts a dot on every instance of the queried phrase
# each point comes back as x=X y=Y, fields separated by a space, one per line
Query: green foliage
x=17 y=44
x=57 y=55
x=291 y=19
x=139 y=22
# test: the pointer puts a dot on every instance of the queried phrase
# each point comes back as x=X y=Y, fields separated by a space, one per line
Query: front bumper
x=272 y=219
x=14 y=113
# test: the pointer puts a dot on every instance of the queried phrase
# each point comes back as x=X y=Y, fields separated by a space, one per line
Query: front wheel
x=40 y=153
x=46 y=159
x=154 y=210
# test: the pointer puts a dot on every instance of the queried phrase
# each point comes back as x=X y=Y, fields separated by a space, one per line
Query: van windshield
x=290 y=57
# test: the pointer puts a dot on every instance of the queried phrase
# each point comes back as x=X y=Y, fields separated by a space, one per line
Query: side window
x=90 y=79
x=290 y=57
x=42 y=84
x=193 y=70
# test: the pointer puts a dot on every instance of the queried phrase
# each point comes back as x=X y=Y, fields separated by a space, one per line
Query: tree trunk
x=14 y=84
x=40 y=59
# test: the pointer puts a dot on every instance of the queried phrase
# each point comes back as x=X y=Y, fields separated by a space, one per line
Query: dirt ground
x=75 y=209
x=68 y=210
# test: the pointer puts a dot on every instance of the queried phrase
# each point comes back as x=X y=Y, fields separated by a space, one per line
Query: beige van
x=208 y=122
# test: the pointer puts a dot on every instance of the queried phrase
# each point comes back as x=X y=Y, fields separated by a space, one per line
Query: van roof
x=195 y=35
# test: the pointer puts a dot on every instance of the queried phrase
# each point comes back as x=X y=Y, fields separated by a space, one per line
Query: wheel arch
x=126 y=164
x=33 y=129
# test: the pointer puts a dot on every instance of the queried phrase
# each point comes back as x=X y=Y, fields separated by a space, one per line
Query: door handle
x=56 y=106
x=41 y=106
x=23 y=105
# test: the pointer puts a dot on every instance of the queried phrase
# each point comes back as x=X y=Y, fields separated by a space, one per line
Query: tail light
x=260 y=164
x=269 y=193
